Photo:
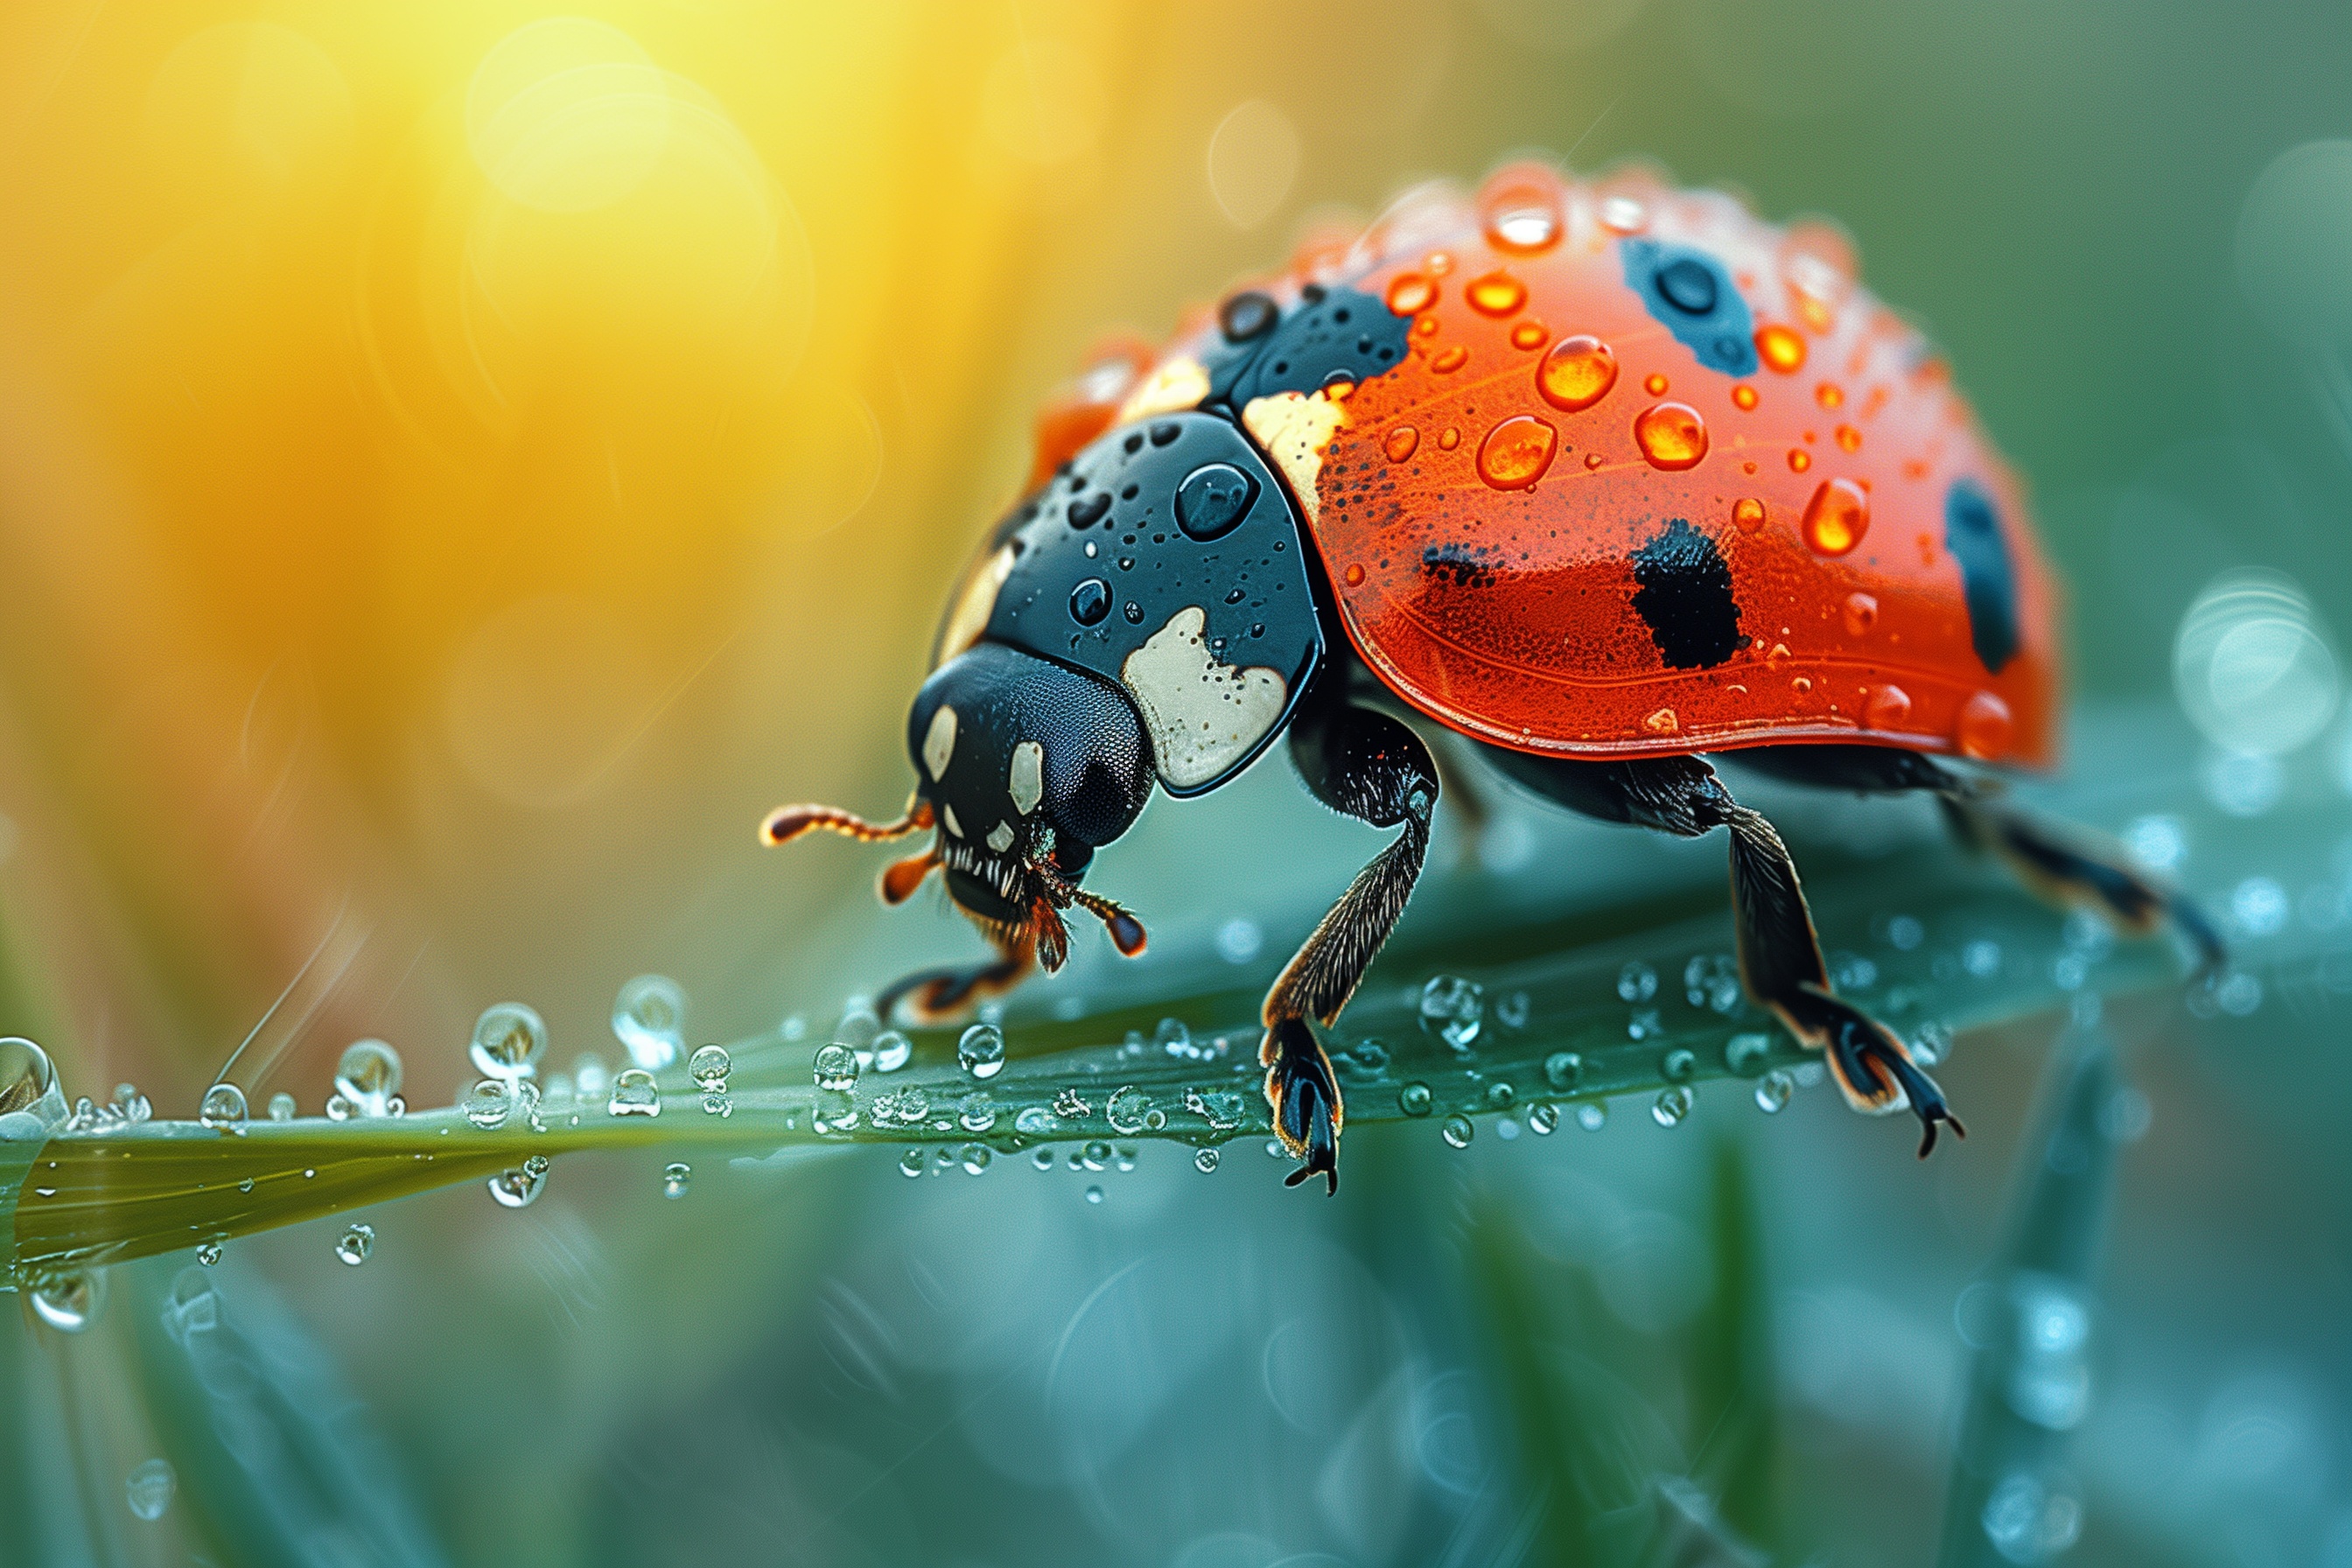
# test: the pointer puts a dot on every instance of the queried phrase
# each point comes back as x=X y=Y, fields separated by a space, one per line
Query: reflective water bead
x=1452 y=1008
x=1496 y=294
x=281 y=1107
x=1204 y=1160
x=649 y=1019
x=490 y=1102
x=1577 y=373
x=1984 y=728
x=1672 y=1105
x=208 y=1253
x=1449 y=360
x=1743 y=398
x=1069 y=1102
x=1747 y=1052
x=1932 y=1044
x=1636 y=981
x=590 y=1075
x=70 y=1301
x=1530 y=335
x=1542 y=1118
x=835 y=1066
x=1772 y=1091
x=1623 y=214
x=1780 y=348
x=1415 y=1098
x=1458 y=1129
x=891 y=1050
x=28 y=1083
x=1680 y=1064
x=1093 y=1195
x=677 y=1176
x=1043 y=1159
x=1512 y=1011
x=1672 y=435
x=1126 y=1110
x=1401 y=443
x=223 y=1107
x=977 y=1114
x=1517 y=451
x=520 y=1186
x=1563 y=1068
x=1836 y=518
x=1748 y=514
x=356 y=1243
x=1410 y=293
x=150 y=1488
x=508 y=1039
x=131 y=1105
x=367 y=1076
x=1095 y=1154
x=980 y=1051
x=1593 y=1115
x=634 y=1094
x=1034 y=1121
x=710 y=1066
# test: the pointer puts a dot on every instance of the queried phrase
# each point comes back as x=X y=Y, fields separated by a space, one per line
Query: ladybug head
x=1024 y=769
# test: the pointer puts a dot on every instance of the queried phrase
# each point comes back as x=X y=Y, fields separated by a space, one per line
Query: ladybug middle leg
x=1365 y=764
x=2063 y=864
x=944 y=996
x=1779 y=956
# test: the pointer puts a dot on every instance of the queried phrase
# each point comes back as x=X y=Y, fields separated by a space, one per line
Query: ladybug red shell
x=1650 y=477
x=1602 y=478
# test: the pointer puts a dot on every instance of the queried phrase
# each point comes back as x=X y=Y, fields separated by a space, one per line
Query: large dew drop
x=489 y=1103
x=835 y=1068
x=635 y=1094
x=70 y=1301
x=1452 y=1008
x=709 y=1066
x=1577 y=373
x=676 y=1176
x=355 y=1245
x=1496 y=294
x=1515 y=452
x=28 y=1086
x=649 y=1019
x=1837 y=516
x=223 y=1107
x=520 y=1187
x=979 y=1052
x=1672 y=435
x=149 y=1489
x=508 y=1040
x=368 y=1078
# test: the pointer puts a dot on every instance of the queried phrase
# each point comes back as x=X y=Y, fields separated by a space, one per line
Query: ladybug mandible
x=1599 y=478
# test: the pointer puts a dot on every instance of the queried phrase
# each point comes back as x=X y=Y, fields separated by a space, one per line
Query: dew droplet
x=1636 y=981
x=634 y=1094
x=1515 y=452
x=1780 y=348
x=677 y=1176
x=1837 y=516
x=1126 y=1110
x=150 y=1488
x=1497 y=294
x=519 y=1187
x=1680 y=1064
x=131 y=1105
x=892 y=1050
x=1564 y=1070
x=980 y=1051
x=1672 y=435
x=1887 y=708
x=1860 y=614
x=835 y=1067
x=28 y=1084
x=1035 y=1121
x=356 y=1243
x=208 y=1253
x=1772 y=1091
x=281 y=1107
x=508 y=1039
x=1458 y=1129
x=1452 y=1008
x=1355 y=575
x=1655 y=384
x=1672 y=1105
x=1521 y=220
x=1577 y=373
x=590 y=1074
x=1848 y=439
x=1204 y=1160
x=1745 y=1051
x=1410 y=294
x=1743 y=398
x=710 y=1066
x=1623 y=214
x=1748 y=514
x=977 y=1114
x=1542 y=1118
x=489 y=1103
x=223 y=1107
x=1448 y=438
x=1093 y=1195
x=367 y=1076
x=1985 y=727
x=1530 y=335
x=1415 y=1098
x=1399 y=443
x=69 y=1301
x=1449 y=360
x=649 y=1019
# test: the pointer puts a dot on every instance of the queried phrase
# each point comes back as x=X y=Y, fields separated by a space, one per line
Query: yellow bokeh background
x=461 y=464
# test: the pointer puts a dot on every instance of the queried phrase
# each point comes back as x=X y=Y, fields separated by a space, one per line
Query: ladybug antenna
x=787 y=822
x=901 y=877
x=1126 y=931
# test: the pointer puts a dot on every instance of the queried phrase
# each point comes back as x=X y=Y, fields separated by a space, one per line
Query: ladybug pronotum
x=1594 y=482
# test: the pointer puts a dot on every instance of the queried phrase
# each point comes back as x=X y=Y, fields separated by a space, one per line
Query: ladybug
x=1595 y=482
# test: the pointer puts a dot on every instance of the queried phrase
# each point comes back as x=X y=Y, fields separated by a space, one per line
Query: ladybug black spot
x=1167 y=430
x=1685 y=598
x=1133 y=445
x=1972 y=534
x=1246 y=315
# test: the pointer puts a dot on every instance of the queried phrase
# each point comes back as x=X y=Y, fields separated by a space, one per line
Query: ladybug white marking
x=975 y=604
x=1293 y=429
x=1171 y=387
x=1027 y=778
x=1000 y=837
x=1203 y=715
x=939 y=741
x=947 y=814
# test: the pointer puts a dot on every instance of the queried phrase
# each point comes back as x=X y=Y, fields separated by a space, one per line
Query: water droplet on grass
x=490 y=1102
x=1093 y=1195
x=1772 y=1091
x=1563 y=1068
x=1672 y=1105
x=355 y=1244
x=508 y=1039
x=1415 y=1099
x=1204 y=1160
x=649 y=1019
x=635 y=1094
x=1126 y=1111
x=281 y=1107
x=1637 y=982
x=208 y=1253
x=892 y=1050
x=710 y=1067
x=71 y=1301
x=976 y=1158
x=368 y=1078
x=223 y=1107
x=1542 y=1118
x=836 y=1067
x=981 y=1051
x=1458 y=1129
x=676 y=1176
x=1452 y=1008
x=1592 y=1116
x=520 y=1187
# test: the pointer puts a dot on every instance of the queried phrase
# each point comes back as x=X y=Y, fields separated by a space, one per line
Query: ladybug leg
x=1779 y=956
x=1369 y=766
x=943 y=995
x=2063 y=864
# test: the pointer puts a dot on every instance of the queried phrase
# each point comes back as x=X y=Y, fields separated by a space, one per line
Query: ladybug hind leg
x=1368 y=765
x=1780 y=955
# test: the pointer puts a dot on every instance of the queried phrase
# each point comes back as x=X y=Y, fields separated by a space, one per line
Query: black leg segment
x=1779 y=956
x=1368 y=765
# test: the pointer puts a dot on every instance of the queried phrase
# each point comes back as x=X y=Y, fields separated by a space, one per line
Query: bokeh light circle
x=1253 y=158
x=567 y=115
x=2252 y=664
x=2294 y=244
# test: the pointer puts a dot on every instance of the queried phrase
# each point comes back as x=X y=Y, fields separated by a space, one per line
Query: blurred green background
x=438 y=555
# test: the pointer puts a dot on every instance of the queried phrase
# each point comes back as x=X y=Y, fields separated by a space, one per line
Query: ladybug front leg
x=1369 y=766
x=944 y=996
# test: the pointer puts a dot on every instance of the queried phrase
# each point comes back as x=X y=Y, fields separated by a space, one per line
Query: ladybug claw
x=1307 y=1111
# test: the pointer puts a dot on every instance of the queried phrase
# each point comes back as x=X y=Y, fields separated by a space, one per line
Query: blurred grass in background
x=461 y=464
